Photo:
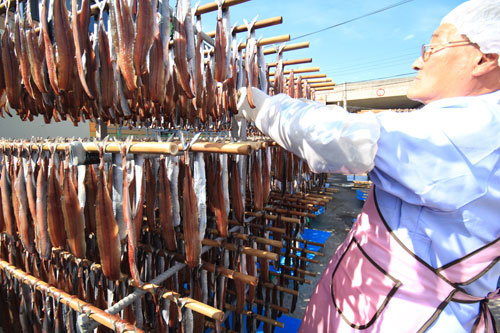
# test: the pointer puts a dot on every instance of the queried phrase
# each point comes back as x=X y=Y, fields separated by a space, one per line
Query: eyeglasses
x=428 y=49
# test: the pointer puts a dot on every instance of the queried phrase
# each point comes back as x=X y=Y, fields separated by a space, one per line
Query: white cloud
x=409 y=37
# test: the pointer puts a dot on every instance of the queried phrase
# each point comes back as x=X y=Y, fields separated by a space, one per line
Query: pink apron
x=374 y=283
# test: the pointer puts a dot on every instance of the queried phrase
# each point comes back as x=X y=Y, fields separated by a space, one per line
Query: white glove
x=260 y=101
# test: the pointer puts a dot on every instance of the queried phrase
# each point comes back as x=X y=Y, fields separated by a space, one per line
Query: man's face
x=446 y=71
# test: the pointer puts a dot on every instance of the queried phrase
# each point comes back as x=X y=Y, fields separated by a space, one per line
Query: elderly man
x=423 y=254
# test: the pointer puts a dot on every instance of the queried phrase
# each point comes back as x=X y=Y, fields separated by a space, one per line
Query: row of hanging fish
x=90 y=209
x=125 y=64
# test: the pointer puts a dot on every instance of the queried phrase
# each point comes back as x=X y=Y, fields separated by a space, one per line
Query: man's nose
x=418 y=64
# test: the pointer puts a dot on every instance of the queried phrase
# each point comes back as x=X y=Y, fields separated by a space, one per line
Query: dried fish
x=25 y=225
x=8 y=209
x=108 y=239
x=192 y=239
x=144 y=36
x=180 y=48
x=55 y=220
x=74 y=221
x=125 y=42
x=43 y=243
x=129 y=221
x=165 y=205
x=65 y=47
x=80 y=24
x=11 y=71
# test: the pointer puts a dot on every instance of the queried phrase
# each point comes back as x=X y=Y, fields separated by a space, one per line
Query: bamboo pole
x=324 y=89
x=290 y=255
x=306 y=77
x=318 y=80
x=269 y=285
x=321 y=85
x=299 y=70
x=290 y=277
x=267 y=41
x=290 y=47
x=272 y=229
x=304 y=241
x=258 y=25
x=301 y=271
x=246 y=250
x=212 y=6
x=307 y=251
x=308 y=207
x=241 y=148
x=129 y=299
x=246 y=237
x=291 y=62
x=194 y=305
x=268 y=320
x=274 y=217
x=231 y=274
x=289 y=212
x=110 y=321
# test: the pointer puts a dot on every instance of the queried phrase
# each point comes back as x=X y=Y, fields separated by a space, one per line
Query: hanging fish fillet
x=127 y=215
x=220 y=46
x=192 y=239
x=138 y=203
x=200 y=188
x=251 y=49
x=173 y=177
x=22 y=52
x=157 y=72
x=150 y=194
x=144 y=36
x=125 y=41
x=117 y=193
x=41 y=224
x=236 y=199
x=55 y=220
x=165 y=205
x=80 y=25
x=49 y=48
x=108 y=239
x=266 y=178
x=25 y=225
x=65 y=46
x=8 y=209
x=258 y=198
x=180 y=47
x=11 y=71
x=217 y=199
x=74 y=222
x=164 y=27
x=106 y=76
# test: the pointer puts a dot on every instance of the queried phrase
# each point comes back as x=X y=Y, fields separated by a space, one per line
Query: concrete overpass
x=370 y=95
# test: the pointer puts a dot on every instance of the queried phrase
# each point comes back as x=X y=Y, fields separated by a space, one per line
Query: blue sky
x=378 y=46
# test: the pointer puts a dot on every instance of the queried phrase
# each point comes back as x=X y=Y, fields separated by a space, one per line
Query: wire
x=353 y=19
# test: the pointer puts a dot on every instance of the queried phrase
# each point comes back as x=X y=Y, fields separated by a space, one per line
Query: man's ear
x=485 y=64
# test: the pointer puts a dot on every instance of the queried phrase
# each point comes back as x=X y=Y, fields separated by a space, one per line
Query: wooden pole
x=290 y=47
x=321 y=85
x=268 y=41
x=258 y=25
x=110 y=321
x=194 y=305
x=299 y=70
x=212 y=6
x=325 y=89
x=291 y=62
